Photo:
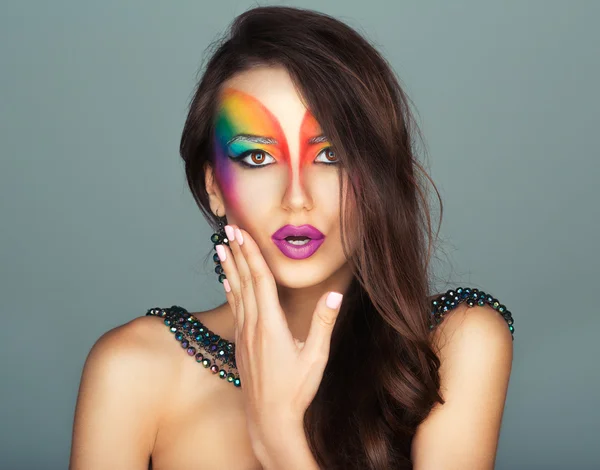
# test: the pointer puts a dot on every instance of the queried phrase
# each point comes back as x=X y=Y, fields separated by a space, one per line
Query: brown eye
x=329 y=155
x=257 y=157
x=254 y=159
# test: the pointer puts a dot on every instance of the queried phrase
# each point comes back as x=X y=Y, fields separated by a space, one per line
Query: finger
x=231 y=284
x=318 y=343
x=265 y=288
x=245 y=283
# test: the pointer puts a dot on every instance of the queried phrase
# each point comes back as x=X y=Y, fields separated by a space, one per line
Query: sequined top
x=218 y=354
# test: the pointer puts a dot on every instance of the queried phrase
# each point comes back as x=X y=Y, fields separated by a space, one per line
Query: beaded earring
x=218 y=238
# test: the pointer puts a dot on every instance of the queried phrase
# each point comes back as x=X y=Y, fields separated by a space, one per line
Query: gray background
x=98 y=224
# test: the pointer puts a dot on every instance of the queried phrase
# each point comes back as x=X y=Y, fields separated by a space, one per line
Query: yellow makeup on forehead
x=242 y=124
x=245 y=122
x=311 y=139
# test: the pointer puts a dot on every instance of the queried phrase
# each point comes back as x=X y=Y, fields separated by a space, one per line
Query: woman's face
x=274 y=168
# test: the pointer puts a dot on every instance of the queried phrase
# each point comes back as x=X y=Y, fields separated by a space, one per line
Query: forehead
x=265 y=89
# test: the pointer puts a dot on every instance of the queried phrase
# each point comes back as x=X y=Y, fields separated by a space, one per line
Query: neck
x=299 y=304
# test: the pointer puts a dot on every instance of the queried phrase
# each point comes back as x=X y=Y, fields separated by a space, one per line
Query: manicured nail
x=238 y=236
x=229 y=232
x=226 y=285
x=221 y=252
x=334 y=299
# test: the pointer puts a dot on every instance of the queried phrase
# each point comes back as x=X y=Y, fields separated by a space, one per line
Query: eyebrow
x=259 y=139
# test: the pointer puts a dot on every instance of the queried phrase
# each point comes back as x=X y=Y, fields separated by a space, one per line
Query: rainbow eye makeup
x=248 y=136
x=327 y=153
x=256 y=158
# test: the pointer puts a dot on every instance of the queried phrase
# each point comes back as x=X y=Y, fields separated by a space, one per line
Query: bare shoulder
x=471 y=327
x=126 y=377
x=475 y=348
x=141 y=354
x=141 y=344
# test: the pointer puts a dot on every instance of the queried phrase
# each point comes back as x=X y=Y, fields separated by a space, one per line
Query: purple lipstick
x=298 y=242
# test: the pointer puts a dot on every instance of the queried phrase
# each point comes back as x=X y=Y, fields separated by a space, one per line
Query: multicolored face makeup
x=248 y=134
x=274 y=167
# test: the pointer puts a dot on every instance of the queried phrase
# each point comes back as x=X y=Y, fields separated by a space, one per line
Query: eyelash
x=243 y=155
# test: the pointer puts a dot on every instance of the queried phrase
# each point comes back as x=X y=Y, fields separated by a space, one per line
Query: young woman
x=330 y=351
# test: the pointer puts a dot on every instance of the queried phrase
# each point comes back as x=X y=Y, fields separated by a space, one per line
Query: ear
x=215 y=197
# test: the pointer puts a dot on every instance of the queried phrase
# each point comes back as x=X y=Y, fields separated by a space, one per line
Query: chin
x=307 y=272
x=294 y=276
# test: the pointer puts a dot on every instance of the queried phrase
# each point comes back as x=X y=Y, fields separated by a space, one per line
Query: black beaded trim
x=218 y=354
x=446 y=302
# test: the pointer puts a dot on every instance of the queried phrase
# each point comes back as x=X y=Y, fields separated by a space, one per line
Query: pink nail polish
x=221 y=252
x=226 y=285
x=238 y=236
x=229 y=232
x=334 y=299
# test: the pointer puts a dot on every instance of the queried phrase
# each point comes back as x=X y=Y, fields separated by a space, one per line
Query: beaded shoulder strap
x=218 y=354
x=449 y=300
x=208 y=348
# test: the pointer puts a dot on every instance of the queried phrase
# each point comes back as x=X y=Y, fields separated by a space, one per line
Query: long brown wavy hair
x=382 y=377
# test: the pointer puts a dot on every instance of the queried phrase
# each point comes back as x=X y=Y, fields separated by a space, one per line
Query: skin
x=280 y=375
x=296 y=185
x=126 y=408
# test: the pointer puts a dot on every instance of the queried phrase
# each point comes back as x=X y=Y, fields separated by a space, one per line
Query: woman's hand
x=279 y=374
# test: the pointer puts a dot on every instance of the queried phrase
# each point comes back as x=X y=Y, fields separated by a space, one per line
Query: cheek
x=225 y=177
x=324 y=188
x=249 y=194
x=253 y=199
x=331 y=206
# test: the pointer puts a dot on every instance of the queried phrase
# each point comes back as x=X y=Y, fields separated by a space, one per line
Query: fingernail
x=229 y=232
x=226 y=285
x=221 y=252
x=238 y=236
x=334 y=299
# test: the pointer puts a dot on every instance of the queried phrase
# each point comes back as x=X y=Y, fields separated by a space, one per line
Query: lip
x=298 y=251
x=301 y=231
